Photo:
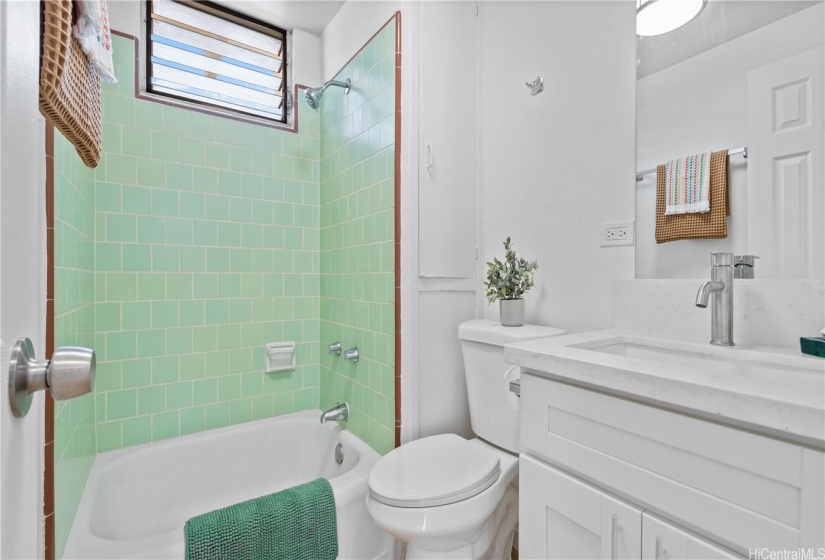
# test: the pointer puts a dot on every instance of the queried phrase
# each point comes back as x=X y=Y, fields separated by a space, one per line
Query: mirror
x=742 y=74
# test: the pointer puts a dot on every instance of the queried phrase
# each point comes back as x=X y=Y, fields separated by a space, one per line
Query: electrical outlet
x=617 y=234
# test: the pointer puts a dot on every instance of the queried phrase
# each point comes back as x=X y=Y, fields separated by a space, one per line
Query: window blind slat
x=221 y=70
x=210 y=98
x=201 y=73
x=265 y=70
x=273 y=53
x=220 y=48
x=208 y=84
x=201 y=20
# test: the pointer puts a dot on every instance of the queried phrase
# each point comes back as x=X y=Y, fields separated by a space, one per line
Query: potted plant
x=507 y=282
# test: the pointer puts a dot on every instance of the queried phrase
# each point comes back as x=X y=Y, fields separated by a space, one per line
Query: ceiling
x=311 y=16
x=721 y=21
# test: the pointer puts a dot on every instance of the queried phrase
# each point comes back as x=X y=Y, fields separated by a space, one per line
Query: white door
x=664 y=541
x=564 y=518
x=786 y=176
x=22 y=273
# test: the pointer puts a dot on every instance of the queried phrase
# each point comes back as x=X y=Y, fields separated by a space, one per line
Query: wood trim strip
x=397 y=207
x=48 y=448
x=207 y=110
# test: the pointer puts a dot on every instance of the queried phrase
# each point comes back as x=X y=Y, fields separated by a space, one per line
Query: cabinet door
x=564 y=518
x=621 y=529
x=664 y=541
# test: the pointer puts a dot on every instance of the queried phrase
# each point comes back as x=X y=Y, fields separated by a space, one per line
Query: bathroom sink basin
x=725 y=361
x=777 y=391
x=787 y=376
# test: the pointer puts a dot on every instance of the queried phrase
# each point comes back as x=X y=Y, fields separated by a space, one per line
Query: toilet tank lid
x=491 y=332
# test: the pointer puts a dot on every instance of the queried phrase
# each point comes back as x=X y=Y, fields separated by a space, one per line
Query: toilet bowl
x=449 y=497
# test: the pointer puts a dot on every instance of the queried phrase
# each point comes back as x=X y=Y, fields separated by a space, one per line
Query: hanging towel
x=708 y=225
x=69 y=95
x=688 y=184
x=92 y=31
x=296 y=523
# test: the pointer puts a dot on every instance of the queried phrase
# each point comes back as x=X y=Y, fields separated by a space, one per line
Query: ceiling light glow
x=656 y=17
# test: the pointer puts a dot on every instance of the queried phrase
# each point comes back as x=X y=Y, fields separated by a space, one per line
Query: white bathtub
x=138 y=499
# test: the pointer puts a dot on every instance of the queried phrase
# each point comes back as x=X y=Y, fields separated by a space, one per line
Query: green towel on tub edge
x=295 y=523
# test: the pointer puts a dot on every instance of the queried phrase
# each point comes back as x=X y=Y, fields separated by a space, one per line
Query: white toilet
x=448 y=497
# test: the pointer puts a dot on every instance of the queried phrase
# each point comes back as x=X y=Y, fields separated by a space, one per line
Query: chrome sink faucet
x=337 y=413
x=720 y=287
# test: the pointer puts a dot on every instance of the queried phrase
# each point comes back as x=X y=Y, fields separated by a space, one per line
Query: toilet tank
x=494 y=410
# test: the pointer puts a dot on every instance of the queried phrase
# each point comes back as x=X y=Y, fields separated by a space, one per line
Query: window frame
x=236 y=18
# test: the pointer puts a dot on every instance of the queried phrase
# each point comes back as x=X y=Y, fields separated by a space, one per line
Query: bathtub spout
x=338 y=413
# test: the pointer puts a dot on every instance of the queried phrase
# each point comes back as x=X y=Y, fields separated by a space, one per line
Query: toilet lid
x=433 y=471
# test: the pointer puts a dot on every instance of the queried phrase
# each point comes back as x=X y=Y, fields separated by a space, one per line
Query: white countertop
x=776 y=391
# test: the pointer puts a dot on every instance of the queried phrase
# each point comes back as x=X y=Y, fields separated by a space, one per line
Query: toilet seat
x=433 y=471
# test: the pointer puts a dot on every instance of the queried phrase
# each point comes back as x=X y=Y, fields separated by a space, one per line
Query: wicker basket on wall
x=69 y=88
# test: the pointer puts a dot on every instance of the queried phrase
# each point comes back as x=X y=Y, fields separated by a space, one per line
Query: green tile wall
x=357 y=240
x=74 y=438
x=197 y=240
x=206 y=247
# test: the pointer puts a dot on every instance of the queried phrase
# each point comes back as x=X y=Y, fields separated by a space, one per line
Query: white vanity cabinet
x=662 y=540
x=604 y=476
x=565 y=518
x=561 y=517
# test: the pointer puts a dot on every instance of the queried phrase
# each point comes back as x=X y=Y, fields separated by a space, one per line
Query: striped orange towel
x=687 y=183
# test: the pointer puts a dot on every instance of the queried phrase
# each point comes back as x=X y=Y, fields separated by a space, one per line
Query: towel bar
x=743 y=150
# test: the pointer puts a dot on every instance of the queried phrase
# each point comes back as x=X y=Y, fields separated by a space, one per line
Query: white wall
x=350 y=29
x=124 y=16
x=306 y=57
x=557 y=165
x=766 y=312
x=702 y=104
x=442 y=389
x=533 y=158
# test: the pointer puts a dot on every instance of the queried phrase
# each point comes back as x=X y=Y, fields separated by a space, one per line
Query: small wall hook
x=536 y=86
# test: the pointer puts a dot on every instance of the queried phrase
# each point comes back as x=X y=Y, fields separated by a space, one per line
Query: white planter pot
x=511 y=312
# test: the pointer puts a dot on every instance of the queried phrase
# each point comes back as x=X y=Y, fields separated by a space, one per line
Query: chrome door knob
x=70 y=373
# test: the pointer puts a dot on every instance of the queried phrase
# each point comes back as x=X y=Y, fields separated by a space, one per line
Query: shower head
x=313 y=95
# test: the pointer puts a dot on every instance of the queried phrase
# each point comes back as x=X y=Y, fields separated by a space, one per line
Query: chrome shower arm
x=345 y=85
